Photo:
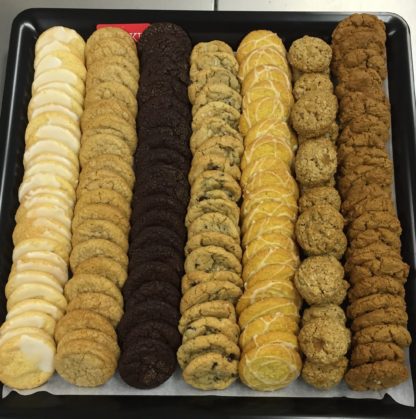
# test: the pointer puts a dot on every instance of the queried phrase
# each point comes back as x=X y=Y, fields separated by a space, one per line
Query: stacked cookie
x=42 y=236
x=269 y=308
x=212 y=282
x=374 y=265
x=319 y=229
x=87 y=351
x=148 y=330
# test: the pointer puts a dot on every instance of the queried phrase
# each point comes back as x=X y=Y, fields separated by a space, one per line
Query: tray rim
x=5 y=118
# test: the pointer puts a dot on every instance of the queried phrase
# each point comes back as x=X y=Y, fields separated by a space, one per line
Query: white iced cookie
x=35 y=319
x=26 y=359
x=35 y=304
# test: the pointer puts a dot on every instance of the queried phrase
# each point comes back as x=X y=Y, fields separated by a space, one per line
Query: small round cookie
x=212 y=92
x=319 y=231
x=330 y=134
x=20 y=368
x=106 y=107
x=267 y=55
x=35 y=304
x=309 y=82
x=320 y=195
x=197 y=277
x=202 y=163
x=212 y=180
x=376 y=285
x=376 y=351
x=212 y=259
x=30 y=291
x=112 y=90
x=214 y=222
x=83 y=283
x=380 y=317
x=98 y=302
x=212 y=325
x=210 y=371
x=92 y=358
x=320 y=280
x=216 y=109
x=266 y=72
x=32 y=318
x=324 y=376
x=100 y=229
x=268 y=288
x=102 y=179
x=105 y=267
x=324 y=341
x=97 y=248
x=213 y=59
x=219 y=309
x=269 y=367
x=85 y=212
x=99 y=144
x=268 y=306
x=326 y=311
x=217 y=343
x=212 y=238
x=383 y=333
x=316 y=163
x=147 y=364
x=376 y=375
x=217 y=75
x=213 y=290
x=259 y=39
x=212 y=127
x=310 y=55
x=306 y=120
x=269 y=323
x=373 y=302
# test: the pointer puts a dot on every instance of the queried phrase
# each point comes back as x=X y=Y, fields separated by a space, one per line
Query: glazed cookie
x=259 y=39
x=324 y=376
x=320 y=280
x=319 y=231
x=316 y=163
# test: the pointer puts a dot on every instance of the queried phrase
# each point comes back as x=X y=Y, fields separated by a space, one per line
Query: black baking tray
x=203 y=26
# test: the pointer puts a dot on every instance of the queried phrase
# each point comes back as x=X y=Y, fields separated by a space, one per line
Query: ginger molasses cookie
x=383 y=333
x=375 y=351
x=376 y=285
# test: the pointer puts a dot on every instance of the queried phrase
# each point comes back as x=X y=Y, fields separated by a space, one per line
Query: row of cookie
x=212 y=283
x=374 y=265
x=269 y=308
x=100 y=226
x=148 y=330
x=319 y=230
x=42 y=235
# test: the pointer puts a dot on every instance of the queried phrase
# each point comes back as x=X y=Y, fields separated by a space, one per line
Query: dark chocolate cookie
x=159 y=234
x=150 y=271
x=158 y=202
x=147 y=364
x=163 y=87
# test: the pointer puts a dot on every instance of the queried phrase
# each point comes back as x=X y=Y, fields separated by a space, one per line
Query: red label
x=134 y=29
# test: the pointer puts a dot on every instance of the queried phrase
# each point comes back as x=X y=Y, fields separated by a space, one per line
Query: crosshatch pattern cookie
x=42 y=236
x=269 y=307
x=213 y=251
x=373 y=265
x=100 y=227
x=319 y=228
